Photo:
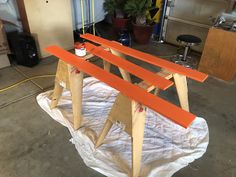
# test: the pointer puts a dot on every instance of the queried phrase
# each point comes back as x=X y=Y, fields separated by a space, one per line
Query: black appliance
x=23 y=49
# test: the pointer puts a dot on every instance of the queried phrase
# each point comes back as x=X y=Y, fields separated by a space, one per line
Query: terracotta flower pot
x=142 y=33
x=119 y=24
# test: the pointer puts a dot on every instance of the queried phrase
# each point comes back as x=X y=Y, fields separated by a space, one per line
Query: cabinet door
x=50 y=22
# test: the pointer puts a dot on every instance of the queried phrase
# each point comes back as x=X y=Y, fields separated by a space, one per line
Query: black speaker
x=23 y=48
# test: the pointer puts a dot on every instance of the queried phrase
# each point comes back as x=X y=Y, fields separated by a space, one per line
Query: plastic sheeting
x=167 y=147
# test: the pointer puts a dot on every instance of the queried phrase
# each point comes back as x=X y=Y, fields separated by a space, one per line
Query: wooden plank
x=134 y=92
x=149 y=87
x=136 y=70
x=172 y=67
x=219 y=54
x=90 y=56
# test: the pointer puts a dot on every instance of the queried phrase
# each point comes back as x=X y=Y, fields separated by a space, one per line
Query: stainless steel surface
x=175 y=28
x=189 y=22
x=233 y=28
x=193 y=17
x=179 y=59
x=184 y=63
x=188 y=44
x=226 y=21
x=198 y=10
x=185 y=53
x=219 y=21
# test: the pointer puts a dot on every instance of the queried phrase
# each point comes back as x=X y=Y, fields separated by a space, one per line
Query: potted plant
x=142 y=25
x=115 y=8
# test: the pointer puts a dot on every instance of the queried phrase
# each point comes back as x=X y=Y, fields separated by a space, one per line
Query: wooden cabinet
x=219 y=54
x=49 y=21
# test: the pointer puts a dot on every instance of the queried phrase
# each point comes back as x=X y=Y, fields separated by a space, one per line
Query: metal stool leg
x=187 y=41
x=185 y=53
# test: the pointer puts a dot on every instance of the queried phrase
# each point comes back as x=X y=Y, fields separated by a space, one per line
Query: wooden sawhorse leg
x=57 y=92
x=138 y=125
x=107 y=66
x=76 y=88
x=132 y=115
x=60 y=83
x=180 y=84
x=68 y=77
x=182 y=90
x=124 y=73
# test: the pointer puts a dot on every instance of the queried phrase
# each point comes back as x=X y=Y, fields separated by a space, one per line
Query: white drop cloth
x=167 y=147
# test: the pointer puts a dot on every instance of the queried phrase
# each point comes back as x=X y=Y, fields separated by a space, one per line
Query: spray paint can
x=80 y=49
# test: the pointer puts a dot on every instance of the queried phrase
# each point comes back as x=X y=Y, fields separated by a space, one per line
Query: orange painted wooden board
x=136 y=70
x=134 y=92
x=172 y=67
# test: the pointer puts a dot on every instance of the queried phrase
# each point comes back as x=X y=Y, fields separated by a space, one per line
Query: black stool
x=186 y=41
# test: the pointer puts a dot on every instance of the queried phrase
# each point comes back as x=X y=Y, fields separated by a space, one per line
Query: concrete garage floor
x=34 y=145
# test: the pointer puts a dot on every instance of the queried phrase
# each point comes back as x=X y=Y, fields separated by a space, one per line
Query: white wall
x=9 y=12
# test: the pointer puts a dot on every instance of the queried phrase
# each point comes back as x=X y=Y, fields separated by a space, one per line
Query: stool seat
x=188 y=40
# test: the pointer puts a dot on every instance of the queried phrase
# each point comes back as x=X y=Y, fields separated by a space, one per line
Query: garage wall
x=192 y=17
x=9 y=12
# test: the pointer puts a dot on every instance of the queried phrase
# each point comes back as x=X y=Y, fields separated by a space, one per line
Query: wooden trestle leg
x=58 y=89
x=106 y=66
x=138 y=125
x=182 y=90
x=76 y=88
x=105 y=130
x=124 y=73
x=132 y=116
x=70 y=78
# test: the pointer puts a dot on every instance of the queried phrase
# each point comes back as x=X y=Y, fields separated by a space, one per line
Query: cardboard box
x=4 y=61
x=4 y=49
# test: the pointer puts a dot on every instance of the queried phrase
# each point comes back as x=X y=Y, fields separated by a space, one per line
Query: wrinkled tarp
x=167 y=147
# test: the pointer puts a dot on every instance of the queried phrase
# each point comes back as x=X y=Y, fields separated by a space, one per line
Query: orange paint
x=136 y=70
x=172 y=67
x=134 y=92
